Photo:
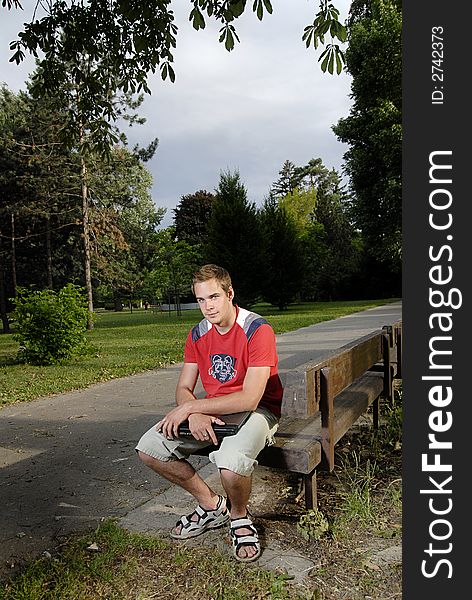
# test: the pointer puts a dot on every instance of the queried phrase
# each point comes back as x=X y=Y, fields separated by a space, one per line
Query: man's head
x=214 y=293
x=211 y=271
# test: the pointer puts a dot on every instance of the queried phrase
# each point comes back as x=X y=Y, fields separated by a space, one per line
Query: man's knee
x=232 y=476
x=147 y=460
x=237 y=462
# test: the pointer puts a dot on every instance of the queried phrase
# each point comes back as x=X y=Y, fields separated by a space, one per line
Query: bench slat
x=298 y=441
x=354 y=401
x=302 y=386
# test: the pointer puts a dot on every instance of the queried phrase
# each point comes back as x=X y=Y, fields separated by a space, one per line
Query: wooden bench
x=324 y=398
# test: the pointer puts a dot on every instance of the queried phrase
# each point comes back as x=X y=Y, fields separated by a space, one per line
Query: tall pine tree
x=234 y=238
x=283 y=273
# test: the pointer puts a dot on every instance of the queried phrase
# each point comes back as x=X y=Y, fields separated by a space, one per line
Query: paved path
x=68 y=460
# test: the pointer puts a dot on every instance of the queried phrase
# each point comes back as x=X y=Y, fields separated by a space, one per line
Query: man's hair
x=211 y=271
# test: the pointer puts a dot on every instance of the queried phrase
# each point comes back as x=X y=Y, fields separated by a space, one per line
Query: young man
x=233 y=351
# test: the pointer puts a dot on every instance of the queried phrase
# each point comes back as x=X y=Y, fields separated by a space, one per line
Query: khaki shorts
x=236 y=453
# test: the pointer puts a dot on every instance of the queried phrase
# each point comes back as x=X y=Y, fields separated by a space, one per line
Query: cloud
x=250 y=109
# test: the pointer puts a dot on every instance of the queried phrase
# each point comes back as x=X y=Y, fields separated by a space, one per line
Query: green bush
x=51 y=325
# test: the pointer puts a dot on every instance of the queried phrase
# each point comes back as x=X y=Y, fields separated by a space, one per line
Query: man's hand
x=169 y=425
x=201 y=427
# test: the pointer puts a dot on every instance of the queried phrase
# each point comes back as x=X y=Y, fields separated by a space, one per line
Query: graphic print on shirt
x=222 y=367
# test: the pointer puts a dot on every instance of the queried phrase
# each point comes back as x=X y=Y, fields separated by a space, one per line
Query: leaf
x=324 y=64
x=140 y=43
x=338 y=31
x=237 y=9
x=324 y=27
x=370 y=565
x=208 y=6
x=258 y=9
x=229 y=43
x=17 y=57
x=339 y=64
x=324 y=58
x=164 y=72
x=342 y=33
x=268 y=6
x=308 y=33
x=331 y=61
x=334 y=12
x=197 y=19
x=333 y=30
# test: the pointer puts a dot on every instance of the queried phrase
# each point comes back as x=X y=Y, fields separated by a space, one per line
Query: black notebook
x=232 y=423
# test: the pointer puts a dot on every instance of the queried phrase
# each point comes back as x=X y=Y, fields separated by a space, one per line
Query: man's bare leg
x=183 y=474
x=238 y=487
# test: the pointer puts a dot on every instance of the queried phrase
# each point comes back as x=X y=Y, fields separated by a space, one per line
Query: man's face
x=215 y=304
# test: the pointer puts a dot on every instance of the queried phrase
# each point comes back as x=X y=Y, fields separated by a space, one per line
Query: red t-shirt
x=223 y=360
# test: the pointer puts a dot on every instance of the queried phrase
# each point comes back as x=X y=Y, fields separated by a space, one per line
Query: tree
x=51 y=186
x=12 y=169
x=373 y=128
x=191 y=216
x=123 y=221
x=318 y=207
x=290 y=178
x=313 y=174
x=40 y=184
x=300 y=205
x=127 y=41
x=3 y=300
x=102 y=48
x=88 y=131
x=234 y=238
x=173 y=265
x=36 y=191
x=283 y=265
x=338 y=262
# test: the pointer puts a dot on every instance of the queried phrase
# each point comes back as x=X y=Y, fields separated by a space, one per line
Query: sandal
x=206 y=519
x=244 y=539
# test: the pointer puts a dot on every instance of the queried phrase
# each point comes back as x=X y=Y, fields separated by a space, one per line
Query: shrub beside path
x=68 y=461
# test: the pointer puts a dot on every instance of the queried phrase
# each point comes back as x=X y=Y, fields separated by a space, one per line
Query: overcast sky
x=250 y=109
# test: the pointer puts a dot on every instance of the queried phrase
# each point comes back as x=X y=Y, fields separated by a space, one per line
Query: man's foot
x=246 y=545
x=201 y=520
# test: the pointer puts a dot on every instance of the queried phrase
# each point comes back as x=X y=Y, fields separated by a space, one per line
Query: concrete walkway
x=67 y=461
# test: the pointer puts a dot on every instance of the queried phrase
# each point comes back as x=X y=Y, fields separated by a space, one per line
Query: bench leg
x=309 y=481
x=399 y=353
x=375 y=414
x=387 y=368
x=327 y=418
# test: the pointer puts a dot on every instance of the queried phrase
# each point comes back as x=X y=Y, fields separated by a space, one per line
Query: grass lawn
x=127 y=343
x=128 y=566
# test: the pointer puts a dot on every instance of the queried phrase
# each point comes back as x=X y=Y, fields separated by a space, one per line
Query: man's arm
x=246 y=399
x=186 y=383
x=183 y=395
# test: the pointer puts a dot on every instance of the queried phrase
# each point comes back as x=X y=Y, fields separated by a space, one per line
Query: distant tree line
x=299 y=245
